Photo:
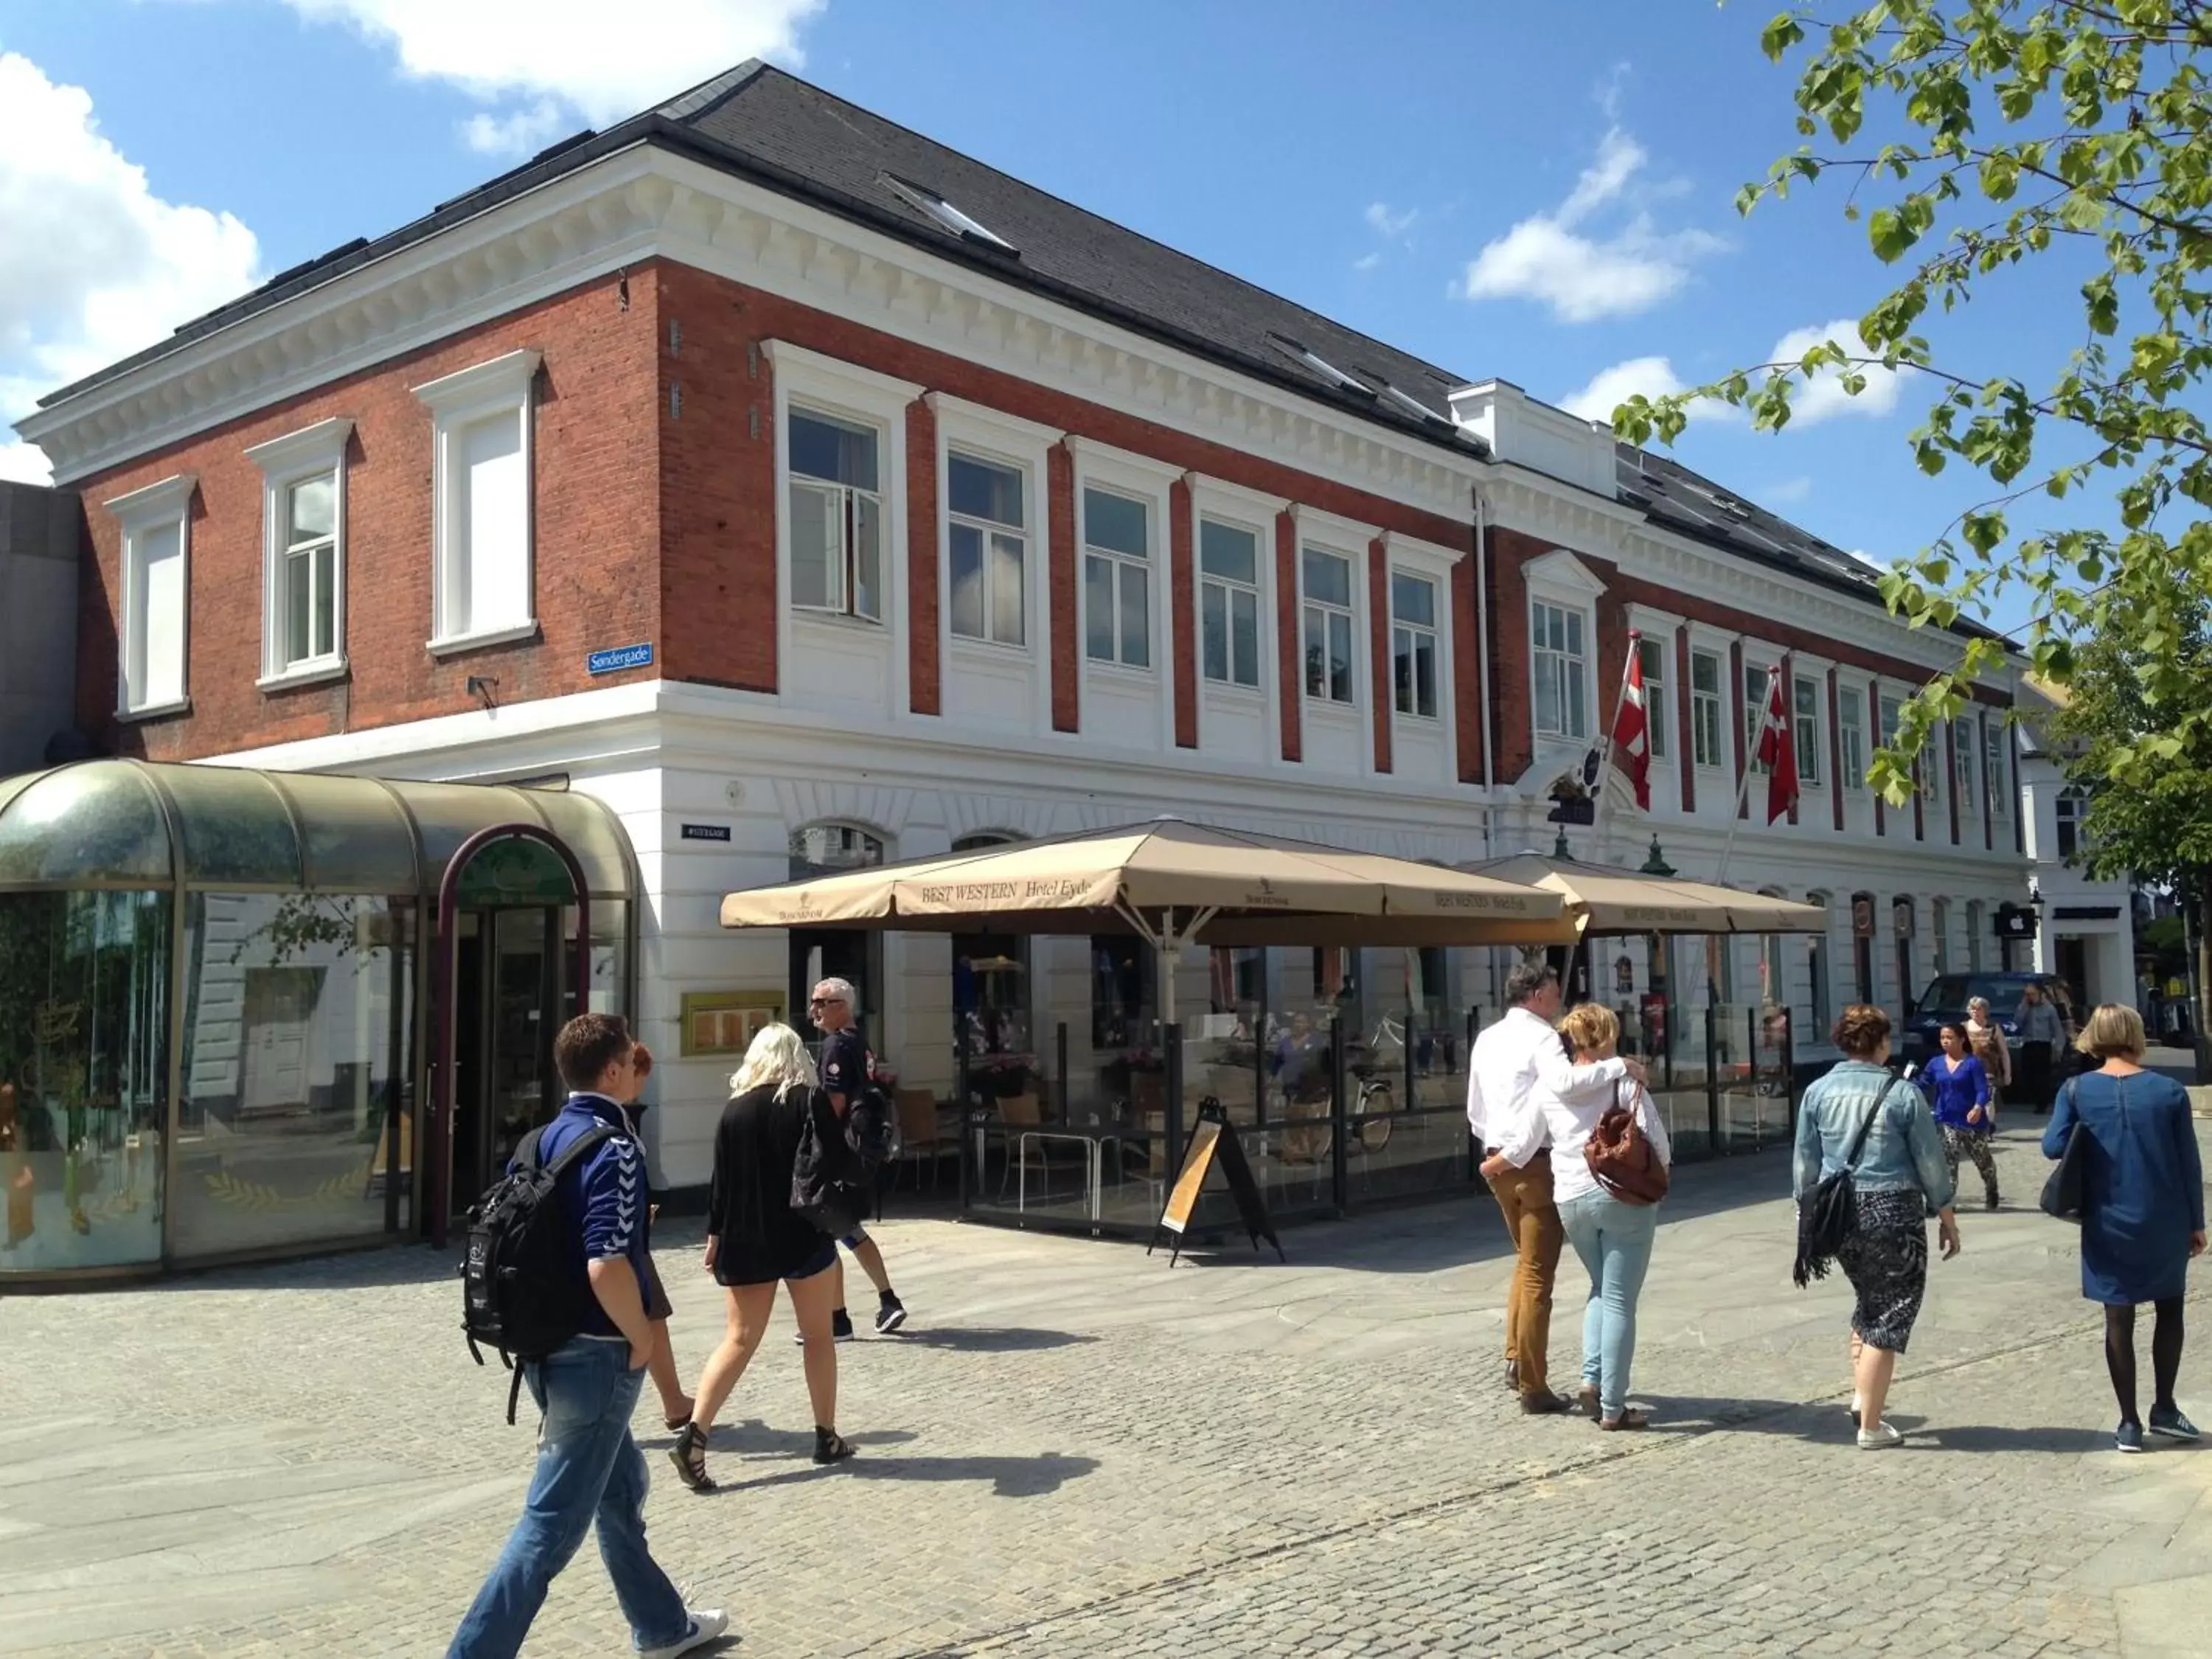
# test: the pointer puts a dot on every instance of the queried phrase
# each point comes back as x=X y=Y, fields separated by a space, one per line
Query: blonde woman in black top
x=756 y=1240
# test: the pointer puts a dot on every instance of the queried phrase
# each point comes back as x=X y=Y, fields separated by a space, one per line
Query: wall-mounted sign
x=1862 y=918
x=1900 y=917
x=2015 y=922
x=706 y=832
x=621 y=657
x=726 y=1021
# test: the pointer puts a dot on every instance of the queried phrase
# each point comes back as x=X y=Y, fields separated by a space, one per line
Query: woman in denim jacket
x=1900 y=1177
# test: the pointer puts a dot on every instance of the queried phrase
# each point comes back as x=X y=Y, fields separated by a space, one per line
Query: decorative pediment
x=1560 y=572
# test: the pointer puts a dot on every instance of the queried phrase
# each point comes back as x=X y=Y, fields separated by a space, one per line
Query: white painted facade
x=2085 y=930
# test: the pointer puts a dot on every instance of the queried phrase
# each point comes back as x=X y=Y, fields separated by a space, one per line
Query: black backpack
x=827 y=1180
x=521 y=1292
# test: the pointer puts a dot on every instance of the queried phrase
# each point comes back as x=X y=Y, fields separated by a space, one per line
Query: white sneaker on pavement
x=1883 y=1436
x=707 y=1624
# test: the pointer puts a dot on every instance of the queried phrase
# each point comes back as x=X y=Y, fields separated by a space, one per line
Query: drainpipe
x=1482 y=669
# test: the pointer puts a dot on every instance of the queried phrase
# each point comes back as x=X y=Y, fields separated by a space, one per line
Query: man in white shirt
x=1517 y=1061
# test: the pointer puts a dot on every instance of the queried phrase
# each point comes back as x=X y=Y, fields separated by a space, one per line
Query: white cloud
x=1368 y=261
x=94 y=265
x=519 y=132
x=1387 y=223
x=1653 y=377
x=1787 y=490
x=1584 y=278
x=601 y=61
x=1822 y=397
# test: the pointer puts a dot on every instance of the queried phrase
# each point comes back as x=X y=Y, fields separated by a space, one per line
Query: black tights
x=2165 y=1355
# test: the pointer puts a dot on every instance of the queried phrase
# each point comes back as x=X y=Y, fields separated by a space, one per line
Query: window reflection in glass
x=84 y=1022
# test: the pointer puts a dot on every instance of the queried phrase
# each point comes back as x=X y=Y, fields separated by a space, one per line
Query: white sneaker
x=707 y=1624
x=1883 y=1436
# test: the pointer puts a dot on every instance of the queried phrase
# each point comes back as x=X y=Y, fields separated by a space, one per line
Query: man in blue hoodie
x=589 y=1469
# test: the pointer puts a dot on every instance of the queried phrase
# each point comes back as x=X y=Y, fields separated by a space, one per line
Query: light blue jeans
x=588 y=1469
x=1614 y=1240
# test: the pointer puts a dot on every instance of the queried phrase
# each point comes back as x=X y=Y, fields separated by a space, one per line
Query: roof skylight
x=947 y=215
x=1320 y=366
x=1412 y=406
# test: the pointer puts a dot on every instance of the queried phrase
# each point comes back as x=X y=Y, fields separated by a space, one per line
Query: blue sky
x=1540 y=193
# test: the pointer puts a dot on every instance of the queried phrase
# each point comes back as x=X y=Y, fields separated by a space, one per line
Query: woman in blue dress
x=1964 y=1110
x=2142 y=1211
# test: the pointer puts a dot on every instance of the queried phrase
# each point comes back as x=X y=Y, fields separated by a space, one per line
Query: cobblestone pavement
x=1075 y=1451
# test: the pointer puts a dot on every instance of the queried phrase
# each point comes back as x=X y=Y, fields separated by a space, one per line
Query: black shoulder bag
x=1830 y=1213
x=2064 y=1193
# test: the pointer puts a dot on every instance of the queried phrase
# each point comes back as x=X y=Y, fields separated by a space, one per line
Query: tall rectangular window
x=2000 y=791
x=1414 y=644
x=1893 y=711
x=2071 y=808
x=1705 y=707
x=1562 y=688
x=1754 y=716
x=1652 y=654
x=1806 y=710
x=481 y=446
x=989 y=533
x=308 y=570
x=156 y=526
x=1117 y=578
x=1851 y=719
x=836 y=512
x=1228 y=603
x=1962 y=764
x=1327 y=626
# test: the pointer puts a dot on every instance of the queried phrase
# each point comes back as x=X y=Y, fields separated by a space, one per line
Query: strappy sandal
x=1585 y=1397
x=689 y=1454
x=1631 y=1418
x=831 y=1447
x=676 y=1424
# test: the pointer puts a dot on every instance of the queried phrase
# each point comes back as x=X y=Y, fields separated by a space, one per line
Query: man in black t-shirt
x=847 y=1068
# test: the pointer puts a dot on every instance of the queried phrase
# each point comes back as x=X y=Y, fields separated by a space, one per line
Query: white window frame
x=1264 y=624
x=1414 y=632
x=2070 y=810
x=1659 y=630
x=848 y=496
x=457 y=402
x=293 y=460
x=156 y=506
x=1724 y=759
x=1435 y=565
x=1851 y=736
x=1261 y=516
x=1310 y=607
x=1812 y=772
x=832 y=386
x=1139 y=478
x=1760 y=659
x=1996 y=784
x=998 y=438
x=1563 y=581
x=1963 y=763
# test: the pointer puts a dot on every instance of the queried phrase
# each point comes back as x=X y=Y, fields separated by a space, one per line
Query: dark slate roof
x=762 y=123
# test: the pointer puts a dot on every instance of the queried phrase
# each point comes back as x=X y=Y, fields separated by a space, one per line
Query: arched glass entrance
x=214 y=999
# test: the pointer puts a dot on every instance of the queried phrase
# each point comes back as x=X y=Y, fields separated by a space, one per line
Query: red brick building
x=810 y=493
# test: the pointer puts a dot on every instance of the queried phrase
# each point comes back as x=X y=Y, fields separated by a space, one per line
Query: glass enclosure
x=212 y=1030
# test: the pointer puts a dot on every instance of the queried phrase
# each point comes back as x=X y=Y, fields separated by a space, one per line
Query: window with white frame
x=1806 y=711
x=1117 y=579
x=481 y=422
x=2072 y=808
x=988 y=530
x=1652 y=655
x=1562 y=671
x=1414 y=644
x=1228 y=603
x=836 y=508
x=1892 y=710
x=1327 y=626
x=1754 y=716
x=1939 y=913
x=156 y=525
x=1851 y=721
x=1705 y=707
x=1993 y=766
x=1931 y=767
x=1962 y=764
x=303 y=570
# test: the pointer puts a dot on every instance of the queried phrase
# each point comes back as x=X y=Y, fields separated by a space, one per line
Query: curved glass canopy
x=139 y=825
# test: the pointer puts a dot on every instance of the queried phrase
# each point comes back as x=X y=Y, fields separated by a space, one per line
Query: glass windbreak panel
x=231 y=826
x=518 y=869
x=98 y=822
x=298 y=1043
x=356 y=838
x=84 y=1025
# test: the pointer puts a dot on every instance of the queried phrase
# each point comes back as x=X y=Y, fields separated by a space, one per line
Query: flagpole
x=1612 y=726
x=1743 y=785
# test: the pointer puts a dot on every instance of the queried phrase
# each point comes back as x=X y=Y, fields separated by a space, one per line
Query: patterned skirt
x=1886 y=1259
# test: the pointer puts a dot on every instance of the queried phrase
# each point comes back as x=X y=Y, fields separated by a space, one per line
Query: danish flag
x=1631 y=730
x=1777 y=749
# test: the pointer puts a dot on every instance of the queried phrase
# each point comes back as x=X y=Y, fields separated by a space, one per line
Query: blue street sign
x=621 y=657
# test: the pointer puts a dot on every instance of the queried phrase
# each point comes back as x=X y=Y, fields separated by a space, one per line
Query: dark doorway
x=2074 y=968
x=507 y=1011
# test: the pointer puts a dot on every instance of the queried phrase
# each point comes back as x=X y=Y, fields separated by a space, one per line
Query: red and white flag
x=1777 y=749
x=1631 y=730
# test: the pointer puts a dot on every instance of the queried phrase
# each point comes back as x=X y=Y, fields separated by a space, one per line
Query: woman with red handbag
x=1609 y=1158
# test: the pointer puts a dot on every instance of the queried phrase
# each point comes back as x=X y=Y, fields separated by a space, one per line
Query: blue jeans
x=588 y=1469
x=1614 y=1240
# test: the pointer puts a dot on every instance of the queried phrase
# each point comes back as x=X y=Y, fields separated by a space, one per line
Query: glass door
x=523 y=985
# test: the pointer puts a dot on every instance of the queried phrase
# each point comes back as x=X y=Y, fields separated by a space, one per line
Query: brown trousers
x=1524 y=1195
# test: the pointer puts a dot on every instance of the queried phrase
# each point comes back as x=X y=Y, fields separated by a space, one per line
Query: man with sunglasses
x=847 y=1066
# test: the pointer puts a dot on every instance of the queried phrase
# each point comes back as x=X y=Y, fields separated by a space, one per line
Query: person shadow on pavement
x=1825 y=1421
x=1010 y=1477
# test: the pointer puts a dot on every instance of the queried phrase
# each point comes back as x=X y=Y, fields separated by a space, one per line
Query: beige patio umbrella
x=1173 y=884
x=1604 y=900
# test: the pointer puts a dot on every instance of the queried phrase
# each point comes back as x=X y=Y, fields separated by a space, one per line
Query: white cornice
x=1234 y=500
x=319 y=443
x=992 y=420
x=163 y=499
x=784 y=354
x=1332 y=527
x=1091 y=454
x=1560 y=571
x=502 y=379
x=1400 y=545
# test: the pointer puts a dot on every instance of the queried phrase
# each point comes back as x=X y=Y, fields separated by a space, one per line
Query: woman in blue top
x=2142 y=1210
x=1964 y=1110
x=1899 y=1177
